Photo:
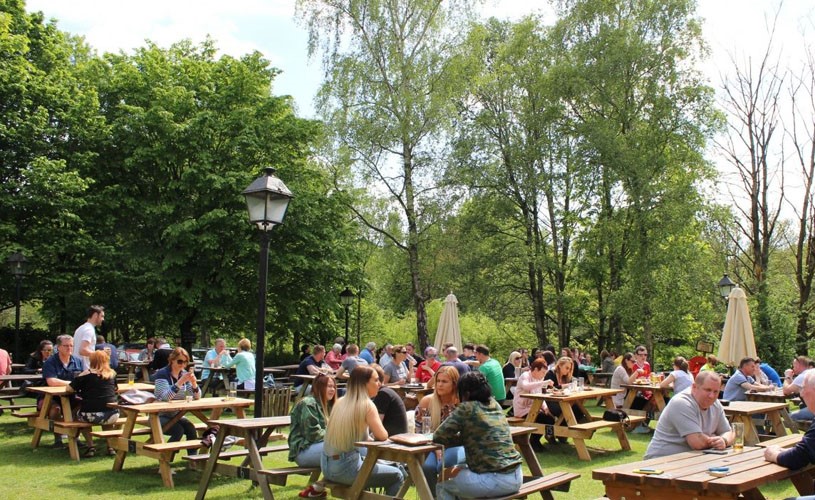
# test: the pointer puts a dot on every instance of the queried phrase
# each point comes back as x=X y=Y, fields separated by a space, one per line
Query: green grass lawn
x=50 y=474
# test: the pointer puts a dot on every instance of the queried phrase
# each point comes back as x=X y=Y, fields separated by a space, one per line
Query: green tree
x=385 y=98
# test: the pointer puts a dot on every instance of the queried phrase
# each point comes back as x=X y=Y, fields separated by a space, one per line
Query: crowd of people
x=466 y=412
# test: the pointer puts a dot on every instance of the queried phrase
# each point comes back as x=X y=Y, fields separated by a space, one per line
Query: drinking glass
x=233 y=390
x=580 y=385
x=738 y=431
x=188 y=396
x=131 y=378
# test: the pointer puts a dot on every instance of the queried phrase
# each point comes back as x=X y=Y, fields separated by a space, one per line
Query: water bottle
x=426 y=425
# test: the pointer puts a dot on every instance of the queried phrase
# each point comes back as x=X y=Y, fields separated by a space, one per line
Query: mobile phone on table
x=647 y=470
x=711 y=451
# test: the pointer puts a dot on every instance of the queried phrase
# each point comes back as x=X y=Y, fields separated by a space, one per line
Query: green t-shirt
x=495 y=377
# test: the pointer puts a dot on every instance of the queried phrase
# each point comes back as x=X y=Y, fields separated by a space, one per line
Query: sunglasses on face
x=181 y=361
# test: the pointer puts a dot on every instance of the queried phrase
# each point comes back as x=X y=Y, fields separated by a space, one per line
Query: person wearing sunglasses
x=396 y=371
x=175 y=382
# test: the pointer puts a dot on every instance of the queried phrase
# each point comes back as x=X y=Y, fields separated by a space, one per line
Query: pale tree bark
x=801 y=132
x=753 y=145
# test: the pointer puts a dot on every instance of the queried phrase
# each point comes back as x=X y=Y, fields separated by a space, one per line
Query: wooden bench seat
x=516 y=420
x=559 y=481
x=24 y=414
x=601 y=424
x=280 y=475
x=17 y=407
x=782 y=441
x=173 y=447
x=226 y=455
x=138 y=431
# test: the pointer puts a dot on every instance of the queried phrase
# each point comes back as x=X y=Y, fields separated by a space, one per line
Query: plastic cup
x=233 y=390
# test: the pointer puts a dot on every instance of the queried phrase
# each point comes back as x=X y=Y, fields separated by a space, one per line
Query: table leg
x=364 y=473
x=750 y=431
x=522 y=442
x=43 y=417
x=416 y=473
x=257 y=464
x=145 y=373
x=207 y=382
x=214 y=451
x=68 y=416
x=579 y=443
x=127 y=433
x=777 y=424
x=803 y=482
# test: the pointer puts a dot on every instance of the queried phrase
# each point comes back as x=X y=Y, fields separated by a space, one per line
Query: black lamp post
x=346 y=299
x=725 y=286
x=16 y=264
x=267 y=199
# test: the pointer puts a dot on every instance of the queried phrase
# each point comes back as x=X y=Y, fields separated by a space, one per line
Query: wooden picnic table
x=744 y=411
x=572 y=429
x=132 y=366
x=42 y=421
x=600 y=379
x=776 y=396
x=206 y=409
x=17 y=367
x=288 y=370
x=419 y=389
x=686 y=475
x=413 y=457
x=658 y=397
x=211 y=375
x=256 y=433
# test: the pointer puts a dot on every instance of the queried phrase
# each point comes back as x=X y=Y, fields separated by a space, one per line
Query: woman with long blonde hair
x=97 y=387
x=438 y=406
x=351 y=419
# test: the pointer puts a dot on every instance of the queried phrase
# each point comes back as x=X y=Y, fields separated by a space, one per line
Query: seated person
x=334 y=357
x=396 y=372
x=438 y=406
x=307 y=431
x=803 y=453
x=452 y=359
x=174 y=382
x=742 y=381
x=97 y=388
x=351 y=361
x=244 y=364
x=692 y=420
x=493 y=466
x=59 y=370
x=217 y=356
x=428 y=367
x=769 y=373
x=710 y=366
x=37 y=358
x=313 y=365
x=794 y=377
x=679 y=378
x=533 y=382
x=353 y=417
x=390 y=407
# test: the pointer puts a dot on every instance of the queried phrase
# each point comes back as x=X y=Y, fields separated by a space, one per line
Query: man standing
x=217 y=356
x=369 y=353
x=492 y=372
x=803 y=453
x=742 y=381
x=85 y=335
x=58 y=371
x=693 y=420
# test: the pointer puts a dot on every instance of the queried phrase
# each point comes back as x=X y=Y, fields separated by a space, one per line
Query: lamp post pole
x=16 y=263
x=346 y=299
x=267 y=199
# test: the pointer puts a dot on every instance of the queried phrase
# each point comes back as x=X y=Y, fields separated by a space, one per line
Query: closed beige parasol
x=737 y=335
x=449 y=329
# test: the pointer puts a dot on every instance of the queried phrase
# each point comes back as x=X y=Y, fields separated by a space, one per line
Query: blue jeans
x=345 y=469
x=310 y=457
x=802 y=414
x=181 y=428
x=469 y=484
x=431 y=468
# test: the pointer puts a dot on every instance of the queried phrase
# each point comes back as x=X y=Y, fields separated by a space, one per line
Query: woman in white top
x=351 y=419
x=533 y=382
x=623 y=374
x=679 y=379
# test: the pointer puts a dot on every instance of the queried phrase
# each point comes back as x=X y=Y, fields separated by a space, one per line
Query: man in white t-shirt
x=693 y=420
x=85 y=335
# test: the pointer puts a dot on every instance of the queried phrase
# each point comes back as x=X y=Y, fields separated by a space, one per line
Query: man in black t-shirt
x=390 y=406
